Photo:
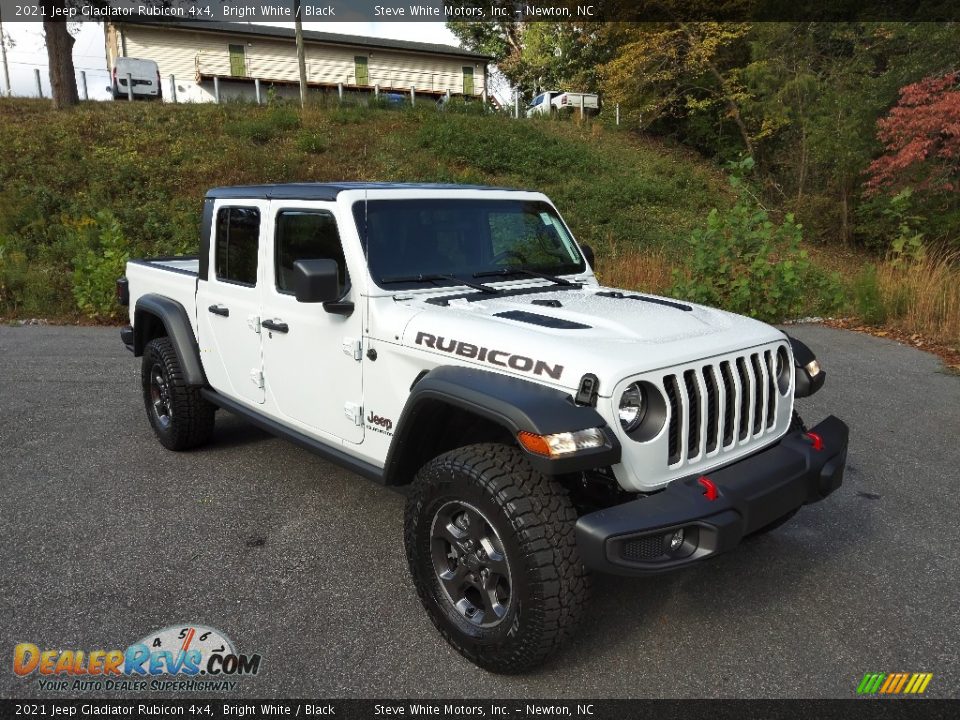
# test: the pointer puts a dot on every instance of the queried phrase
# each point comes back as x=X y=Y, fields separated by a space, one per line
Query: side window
x=238 y=238
x=306 y=235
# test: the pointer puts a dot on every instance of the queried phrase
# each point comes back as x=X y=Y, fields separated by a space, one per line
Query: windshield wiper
x=433 y=277
x=523 y=271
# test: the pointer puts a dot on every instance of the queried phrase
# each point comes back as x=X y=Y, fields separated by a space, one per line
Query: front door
x=311 y=358
x=228 y=303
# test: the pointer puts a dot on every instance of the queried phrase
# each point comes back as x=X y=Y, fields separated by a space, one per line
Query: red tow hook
x=709 y=487
x=816 y=440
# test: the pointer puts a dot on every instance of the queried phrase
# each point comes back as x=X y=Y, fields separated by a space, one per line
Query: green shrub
x=98 y=265
x=745 y=262
x=312 y=143
x=867 y=298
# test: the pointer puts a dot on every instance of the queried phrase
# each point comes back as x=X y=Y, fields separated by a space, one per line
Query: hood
x=556 y=336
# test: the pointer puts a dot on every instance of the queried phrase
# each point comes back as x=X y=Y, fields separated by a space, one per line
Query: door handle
x=274 y=325
x=219 y=310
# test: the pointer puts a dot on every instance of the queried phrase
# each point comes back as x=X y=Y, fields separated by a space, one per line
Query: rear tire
x=180 y=417
x=491 y=547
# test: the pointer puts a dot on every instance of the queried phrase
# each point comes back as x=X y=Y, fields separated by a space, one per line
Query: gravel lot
x=106 y=537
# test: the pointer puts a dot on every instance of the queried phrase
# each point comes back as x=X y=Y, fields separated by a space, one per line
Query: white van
x=145 y=76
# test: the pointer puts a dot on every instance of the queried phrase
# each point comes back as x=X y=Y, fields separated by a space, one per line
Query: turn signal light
x=561 y=443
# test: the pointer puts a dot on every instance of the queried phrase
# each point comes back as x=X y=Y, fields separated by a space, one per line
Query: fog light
x=676 y=540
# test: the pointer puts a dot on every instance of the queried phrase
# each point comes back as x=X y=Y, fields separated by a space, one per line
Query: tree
x=921 y=134
x=63 y=78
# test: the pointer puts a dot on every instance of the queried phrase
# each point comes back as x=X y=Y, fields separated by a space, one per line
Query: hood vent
x=541 y=320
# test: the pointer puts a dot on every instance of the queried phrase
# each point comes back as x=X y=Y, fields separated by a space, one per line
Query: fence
x=95 y=84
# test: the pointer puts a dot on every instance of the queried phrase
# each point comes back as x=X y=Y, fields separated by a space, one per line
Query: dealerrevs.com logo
x=186 y=657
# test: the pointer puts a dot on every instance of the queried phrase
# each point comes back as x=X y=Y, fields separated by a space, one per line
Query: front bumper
x=634 y=538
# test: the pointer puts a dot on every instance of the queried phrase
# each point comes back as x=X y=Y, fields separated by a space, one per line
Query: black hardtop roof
x=329 y=191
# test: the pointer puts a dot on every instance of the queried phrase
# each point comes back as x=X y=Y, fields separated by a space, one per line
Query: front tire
x=491 y=547
x=180 y=417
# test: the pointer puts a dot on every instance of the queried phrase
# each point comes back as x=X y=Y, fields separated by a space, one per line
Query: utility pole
x=6 y=68
x=301 y=60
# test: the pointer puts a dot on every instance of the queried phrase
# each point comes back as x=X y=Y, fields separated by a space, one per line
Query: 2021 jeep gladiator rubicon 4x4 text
x=455 y=339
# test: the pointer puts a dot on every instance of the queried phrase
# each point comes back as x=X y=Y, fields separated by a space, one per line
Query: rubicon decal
x=894 y=683
x=501 y=358
x=186 y=651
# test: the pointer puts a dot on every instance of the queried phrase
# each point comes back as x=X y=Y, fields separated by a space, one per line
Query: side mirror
x=318 y=281
x=587 y=253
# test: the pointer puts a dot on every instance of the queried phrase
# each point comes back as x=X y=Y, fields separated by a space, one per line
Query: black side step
x=327 y=452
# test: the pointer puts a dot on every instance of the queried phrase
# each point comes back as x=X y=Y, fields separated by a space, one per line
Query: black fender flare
x=804 y=384
x=514 y=404
x=177 y=324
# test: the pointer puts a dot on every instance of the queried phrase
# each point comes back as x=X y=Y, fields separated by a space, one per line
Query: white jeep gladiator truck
x=555 y=101
x=454 y=340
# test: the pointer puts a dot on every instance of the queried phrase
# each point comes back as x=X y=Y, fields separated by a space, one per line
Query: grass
x=67 y=176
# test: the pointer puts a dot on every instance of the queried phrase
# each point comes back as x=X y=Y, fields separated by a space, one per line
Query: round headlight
x=633 y=406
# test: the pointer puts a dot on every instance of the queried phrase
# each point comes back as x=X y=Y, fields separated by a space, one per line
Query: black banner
x=573 y=11
x=520 y=709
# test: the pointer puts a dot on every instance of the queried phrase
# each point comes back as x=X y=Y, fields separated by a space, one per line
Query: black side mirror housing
x=587 y=253
x=316 y=281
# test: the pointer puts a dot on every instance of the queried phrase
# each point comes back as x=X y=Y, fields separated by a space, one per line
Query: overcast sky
x=29 y=51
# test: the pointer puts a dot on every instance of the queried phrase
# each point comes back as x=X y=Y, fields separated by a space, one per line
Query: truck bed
x=172 y=277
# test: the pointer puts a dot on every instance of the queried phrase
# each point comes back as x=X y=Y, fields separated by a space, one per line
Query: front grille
x=649 y=547
x=719 y=405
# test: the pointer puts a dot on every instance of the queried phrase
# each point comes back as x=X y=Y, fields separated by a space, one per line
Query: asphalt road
x=105 y=537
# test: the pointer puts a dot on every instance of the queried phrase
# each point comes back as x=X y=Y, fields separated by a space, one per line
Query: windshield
x=410 y=242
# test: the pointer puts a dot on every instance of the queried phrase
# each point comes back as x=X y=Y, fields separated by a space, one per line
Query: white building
x=237 y=54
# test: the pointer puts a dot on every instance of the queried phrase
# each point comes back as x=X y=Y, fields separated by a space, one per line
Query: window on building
x=238 y=64
x=306 y=235
x=467 y=80
x=362 y=69
x=238 y=239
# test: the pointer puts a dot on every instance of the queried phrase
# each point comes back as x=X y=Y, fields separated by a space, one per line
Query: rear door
x=312 y=363
x=228 y=302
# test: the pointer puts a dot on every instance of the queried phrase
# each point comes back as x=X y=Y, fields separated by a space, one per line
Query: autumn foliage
x=922 y=138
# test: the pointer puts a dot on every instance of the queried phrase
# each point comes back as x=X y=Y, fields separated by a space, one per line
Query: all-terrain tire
x=529 y=520
x=180 y=417
x=796 y=424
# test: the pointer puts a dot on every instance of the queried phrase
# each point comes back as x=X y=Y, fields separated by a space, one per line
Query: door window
x=306 y=235
x=238 y=239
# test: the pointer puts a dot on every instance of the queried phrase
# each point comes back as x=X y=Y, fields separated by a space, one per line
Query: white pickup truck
x=554 y=101
x=455 y=339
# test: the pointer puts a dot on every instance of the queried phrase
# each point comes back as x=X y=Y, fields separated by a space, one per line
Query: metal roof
x=328 y=191
x=311 y=36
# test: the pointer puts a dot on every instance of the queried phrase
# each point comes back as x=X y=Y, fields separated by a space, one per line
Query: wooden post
x=83 y=82
x=301 y=60
x=130 y=87
x=618 y=113
x=216 y=89
x=516 y=103
x=376 y=90
x=36 y=74
x=173 y=89
x=413 y=96
x=581 y=106
x=256 y=88
x=340 y=92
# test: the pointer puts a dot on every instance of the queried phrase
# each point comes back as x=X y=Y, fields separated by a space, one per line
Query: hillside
x=84 y=188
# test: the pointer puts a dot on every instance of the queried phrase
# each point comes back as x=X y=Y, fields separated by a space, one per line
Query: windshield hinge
x=256 y=376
